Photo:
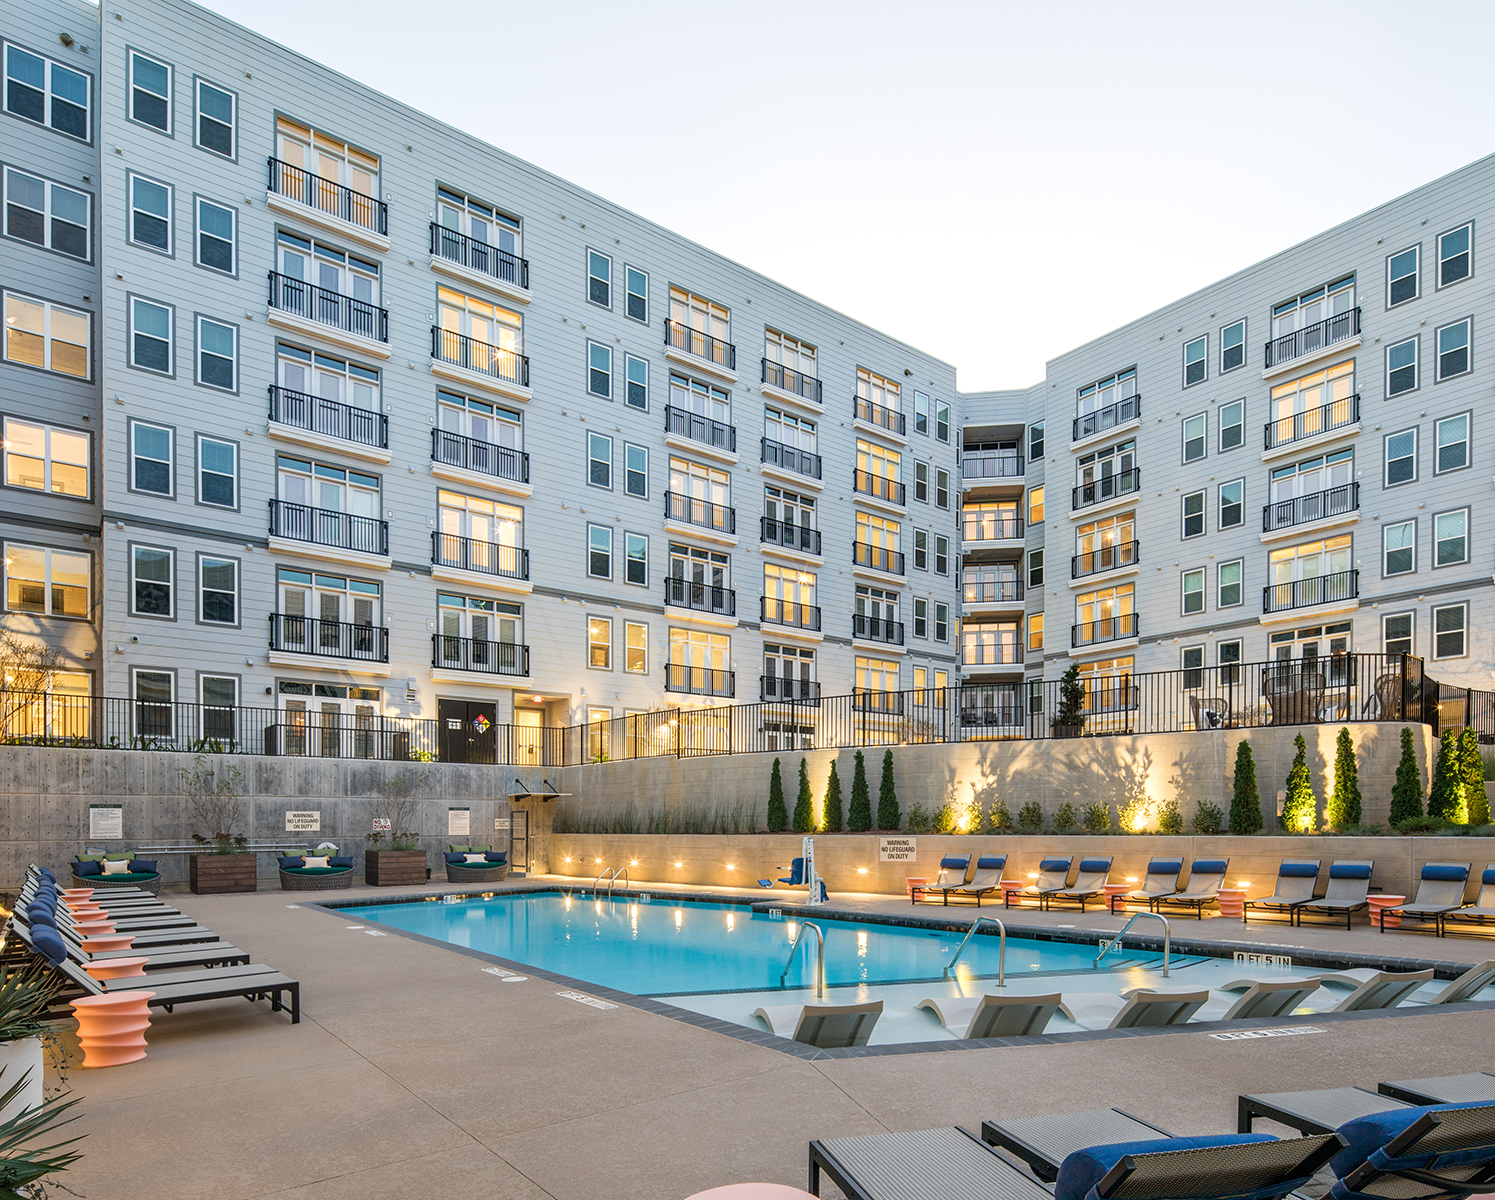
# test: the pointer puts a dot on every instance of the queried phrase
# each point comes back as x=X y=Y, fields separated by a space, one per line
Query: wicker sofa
x=295 y=876
x=147 y=880
x=458 y=870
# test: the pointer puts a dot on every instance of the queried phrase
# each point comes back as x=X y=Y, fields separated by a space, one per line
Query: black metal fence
x=328 y=196
x=316 y=414
x=1313 y=338
x=479 y=256
x=326 y=307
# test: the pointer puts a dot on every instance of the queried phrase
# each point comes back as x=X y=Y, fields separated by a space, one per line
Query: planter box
x=211 y=874
x=394 y=868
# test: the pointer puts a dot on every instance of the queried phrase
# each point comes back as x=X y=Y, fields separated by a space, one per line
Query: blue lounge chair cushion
x=1349 y=871
x=954 y=862
x=47 y=873
x=1208 y=866
x=1165 y=866
x=1055 y=864
x=345 y=860
x=1084 y=1169
x=143 y=866
x=41 y=914
x=1366 y=1138
x=1447 y=872
x=88 y=868
x=1298 y=870
x=496 y=856
x=991 y=862
x=290 y=862
x=49 y=943
x=1092 y=865
x=1488 y=876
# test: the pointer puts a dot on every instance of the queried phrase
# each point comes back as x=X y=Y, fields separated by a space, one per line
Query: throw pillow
x=89 y=857
x=474 y=858
x=91 y=867
x=459 y=849
x=116 y=866
x=497 y=856
x=316 y=862
x=289 y=862
x=143 y=866
x=340 y=860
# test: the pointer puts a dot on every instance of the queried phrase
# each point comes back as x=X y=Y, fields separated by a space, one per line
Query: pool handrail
x=1107 y=947
x=819 y=958
x=612 y=875
x=1001 y=953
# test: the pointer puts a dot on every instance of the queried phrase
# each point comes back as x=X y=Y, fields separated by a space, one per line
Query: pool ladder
x=1001 y=952
x=612 y=875
x=819 y=958
x=1115 y=942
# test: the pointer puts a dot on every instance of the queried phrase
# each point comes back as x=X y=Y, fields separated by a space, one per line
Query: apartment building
x=316 y=405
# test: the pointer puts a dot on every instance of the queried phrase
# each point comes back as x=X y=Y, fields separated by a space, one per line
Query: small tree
x=1071 y=701
x=859 y=815
x=1406 y=794
x=1300 y=808
x=1097 y=818
x=1170 y=817
x=804 y=804
x=831 y=816
x=1065 y=820
x=1030 y=818
x=26 y=669
x=1472 y=770
x=999 y=817
x=1245 y=799
x=778 y=815
x=395 y=813
x=1344 y=800
x=215 y=800
x=1445 y=799
x=888 y=816
x=944 y=819
x=918 y=818
x=1208 y=819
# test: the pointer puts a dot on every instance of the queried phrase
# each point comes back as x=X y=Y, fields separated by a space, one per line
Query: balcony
x=364 y=214
x=1313 y=423
x=701 y=514
x=328 y=422
x=329 y=639
x=341 y=316
x=879 y=487
x=991 y=465
x=482 y=458
x=329 y=528
x=701 y=597
x=774 y=611
x=990 y=654
x=867 y=701
x=876 y=629
x=702 y=347
x=699 y=681
x=1314 y=339
x=484 y=558
x=799 y=538
x=991 y=527
x=1338 y=588
x=680 y=423
x=1107 y=558
x=790 y=458
x=474 y=654
x=474 y=257
x=796 y=383
x=1316 y=506
x=1107 y=629
x=992 y=592
x=777 y=688
x=885 y=419
x=878 y=558
x=505 y=371
x=1119 y=412
x=1107 y=487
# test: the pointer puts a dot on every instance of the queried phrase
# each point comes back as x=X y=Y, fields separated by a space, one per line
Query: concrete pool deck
x=416 y=1073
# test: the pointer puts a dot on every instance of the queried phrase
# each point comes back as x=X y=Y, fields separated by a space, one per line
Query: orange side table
x=1009 y=886
x=107 y=970
x=111 y=1028
x=74 y=894
x=1377 y=903
x=92 y=928
x=752 y=1191
x=915 y=885
x=1114 y=892
x=104 y=942
x=1232 y=901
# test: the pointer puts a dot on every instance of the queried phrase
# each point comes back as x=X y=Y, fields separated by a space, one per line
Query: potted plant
x=394 y=856
x=1071 y=716
x=26 y=993
x=215 y=800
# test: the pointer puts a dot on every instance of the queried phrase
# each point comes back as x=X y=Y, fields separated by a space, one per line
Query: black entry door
x=467 y=730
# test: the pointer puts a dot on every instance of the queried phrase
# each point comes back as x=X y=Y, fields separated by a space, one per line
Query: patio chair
x=1053 y=874
x=1206 y=878
x=1440 y=890
x=1045 y=1142
x=1384 y=702
x=1441 y=1150
x=1384 y=989
x=1089 y=883
x=1141 y=1008
x=1475 y=1087
x=953 y=871
x=1297 y=699
x=1268 y=998
x=1483 y=908
x=1210 y=712
x=1296 y=880
x=829 y=1026
x=1161 y=880
x=215 y=953
x=993 y=1016
x=1349 y=887
x=1322 y=1110
x=949 y=1163
x=1466 y=987
x=986 y=879
x=1202 y=1168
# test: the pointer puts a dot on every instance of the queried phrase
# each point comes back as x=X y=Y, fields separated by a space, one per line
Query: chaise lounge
x=1206 y=878
x=315 y=872
x=90 y=870
x=1440 y=891
x=476 y=864
x=1347 y=893
x=1297 y=880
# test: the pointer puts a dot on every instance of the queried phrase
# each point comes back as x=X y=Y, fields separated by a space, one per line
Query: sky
x=993 y=183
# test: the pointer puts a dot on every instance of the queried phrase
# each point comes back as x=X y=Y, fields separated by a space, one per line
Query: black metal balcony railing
x=1304 y=593
x=991 y=527
x=992 y=465
x=791 y=458
x=1324 y=419
x=891 y=703
x=700 y=429
x=1107 y=487
x=474 y=654
x=879 y=558
x=324 y=195
x=487 y=558
x=1009 y=715
x=785 y=690
x=1107 y=629
x=329 y=639
x=787 y=379
x=331 y=418
x=702 y=597
x=473 y=355
x=479 y=256
x=878 y=486
x=1106 y=558
x=875 y=414
x=325 y=307
x=792 y=613
x=877 y=629
x=699 y=681
x=1118 y=412
x=790 y=536
x=702 y=345
x=992 y=654
x=703 y=513
x=325 y=527
x=471 y=454
x=1332 y=502
x=993 y=591
x=1338 y=328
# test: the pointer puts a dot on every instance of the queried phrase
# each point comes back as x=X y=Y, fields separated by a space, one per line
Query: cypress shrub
x=1344 y=800
x=1300 y=808
x=1030 y=818
x=1245 y=799
x=778 y=815
x=888 y=816
x=831 y=817
x=859 y=816
x=1472 y=769
x=1445 y=800
x=804 y=803
x=1406 y=794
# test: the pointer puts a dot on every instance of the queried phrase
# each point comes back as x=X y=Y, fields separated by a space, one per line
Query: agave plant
x=26 y=993
x=23 y=1166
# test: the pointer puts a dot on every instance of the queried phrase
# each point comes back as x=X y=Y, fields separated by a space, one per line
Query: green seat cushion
x=478 y=866
x=315 y=870
x=128 y=877
x=89 y=857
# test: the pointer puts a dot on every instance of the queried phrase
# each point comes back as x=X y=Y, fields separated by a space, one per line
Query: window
x=600 y=370
x=921 y=549
x=308 y=155
x=793 y=433
x=152 y=581
x=41 y=334
x=921 y=413
x=1035 y=568
x=1195 y=428
x=218 y=590
x=636 y=647
x=217 y=354
x=1035 y=506
x=941 y=554
x=46 y=214
x=1228 y=655
x=921 y=482
x=599 y=279
x=876 y=392
x=476 y=534
x=215 y=236
x=1232 y=424
x=1453 y=350
x=1232 y=505
x=636 y=559
x=1401 y=276
x=942 y=488
x=599 y=552
x=150 y=92
x=150 y=213
x=52 y=583
x=941 y=622
x=1193 y=514
x=921 y=617
x=1194 y=591
x=46 y=92
x=638 y=383
x=875 y=676
x=942 y=421
x=1396 y=634
x=45 y=458
x=1401 y=457
x=1035 y=441
x=1313 y=404
x=151 y=457
x=1192 y=661
x=700 y=495
x=1035 y=631
x=1196 y=360
x=1401 y=367
x=1451 y=538
x=599 y=460
x=304 y=262
x=1454 y=255
x=1452 y=440
x=638 y=293
x=692 y=396
x=481 y=237
x=150 y=336
x=217 y=472
x=1449 y=623
x=1399 y=548
x=1312 y=573
x=1232 y=347
x=600 y=642
x=791 y=365
x=215 y=119
x=636 y=470
x=1229 y=588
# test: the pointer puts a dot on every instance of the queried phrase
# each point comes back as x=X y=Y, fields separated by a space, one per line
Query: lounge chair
x=88 y=872
x=1466 y=987
x=986 y=879
x=1349 y=885
x=216 y=953
x=1045 y=1142
x=952 y=873
x=463 y=865
x=1089 y=883
x=1161 y=880
x=1269 y=998
x=1440 y=891
x=993 y=1016
x=1053 y=874
x=1483 y=908
x=1210 y=712
x=829 y=1026
x=948 y=1163
x=1322 y=1110
x=1477 y=1086
x=297 y=876
x=1384 y=989
x=1141 y=1008
x=1438 y=1150
x=1206 y=878
x=1296 y=881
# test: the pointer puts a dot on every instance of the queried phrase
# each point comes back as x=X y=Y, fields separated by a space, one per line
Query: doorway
x=467 y=730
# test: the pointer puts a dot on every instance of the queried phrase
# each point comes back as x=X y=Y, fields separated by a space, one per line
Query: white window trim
x=627 y=382
x=1203 y=358
x=627 y=446
x=609 y=281
x=205 y=437
x=1220 y=603
x=1416 y=432
x=1438 y=375
x=171 y=582
x=1245 y=343
x=1220 y=504
x=200 y=351
x=237 y=622
x=1468 y=418
x=170 y=371
x=1416 y=364
x=170 y=248
x=1184 y=593
x=1183 y=515
x=1433 y=620
x=197 y=235
x=47 y=187
x=1438 y=284
x=587 y=641
x=592 y=343
x=1412 y=630
x=198 y=83
x=1183 y=438
x=47 y=552
x=1221 y=427
x=132 y=425
x=170 y=97
x=629 y=292
x=1416 y=248
x=608 y=486
x=1468 y=538
x=1385 y=529
x=611 y=550
x=6 y=46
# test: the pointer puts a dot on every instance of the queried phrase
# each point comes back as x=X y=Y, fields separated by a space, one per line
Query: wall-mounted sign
x=381 y=825
x=897 y=849
x=303 y=822
x=500 y=824
x=458 y=822
x=105 y=821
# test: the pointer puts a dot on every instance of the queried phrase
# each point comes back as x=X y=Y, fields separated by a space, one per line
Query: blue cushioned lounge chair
x=953 y=871
x=1349 y=885
x=985 y=880
x=1206 y=878
x=1297 y=880
x=1090 y=882
x=1053 y=875
x=1440 y=891
x=1432 y=1152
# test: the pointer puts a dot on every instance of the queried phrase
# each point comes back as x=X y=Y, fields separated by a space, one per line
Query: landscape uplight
x=861 y=870
x=679 y=864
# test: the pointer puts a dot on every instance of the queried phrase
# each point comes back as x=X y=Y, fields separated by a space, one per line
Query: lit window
x=46 y=582
x=1035 y=506
x=600 y=642
x=636 y=647
x=41 y=334
x=44 y=458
